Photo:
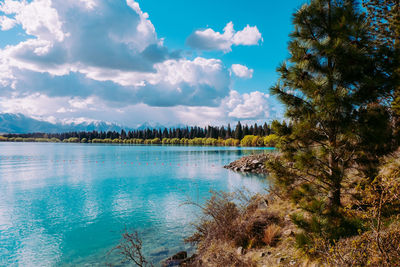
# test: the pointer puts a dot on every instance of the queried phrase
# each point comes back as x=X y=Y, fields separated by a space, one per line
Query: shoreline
x=245 y=141
x=139 y=144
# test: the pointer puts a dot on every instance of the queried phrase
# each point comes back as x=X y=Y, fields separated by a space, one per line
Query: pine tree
x=266 y=129
x=123 y=134
x=384 y=19
x=228 y=132
x=238 y=131
x=330 y=78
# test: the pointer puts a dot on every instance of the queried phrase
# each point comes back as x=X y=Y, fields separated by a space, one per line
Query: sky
x=130 y=62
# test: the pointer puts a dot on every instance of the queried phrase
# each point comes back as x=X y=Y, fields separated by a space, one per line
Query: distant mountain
x=156 y=125
x=151 y=126
x=100 y=126
x=19 y=123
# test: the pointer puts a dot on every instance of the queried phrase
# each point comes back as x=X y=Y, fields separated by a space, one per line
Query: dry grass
x=271 y=234
x=221 y=254
x=363 y=250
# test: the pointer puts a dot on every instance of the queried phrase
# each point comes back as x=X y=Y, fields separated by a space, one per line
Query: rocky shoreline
x=254 y=163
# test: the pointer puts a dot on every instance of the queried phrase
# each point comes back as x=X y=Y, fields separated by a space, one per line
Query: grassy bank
x=247 y=141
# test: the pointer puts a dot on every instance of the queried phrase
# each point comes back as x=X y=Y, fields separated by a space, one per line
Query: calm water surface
x=66 y=204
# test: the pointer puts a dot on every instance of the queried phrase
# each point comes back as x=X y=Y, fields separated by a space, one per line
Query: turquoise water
x=66 y=204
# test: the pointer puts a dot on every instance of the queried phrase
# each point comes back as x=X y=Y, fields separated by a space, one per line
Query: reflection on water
x=66 y=204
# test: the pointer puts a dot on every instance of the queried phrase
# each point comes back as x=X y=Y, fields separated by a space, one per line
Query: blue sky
x=272 y=18
x=191 y=62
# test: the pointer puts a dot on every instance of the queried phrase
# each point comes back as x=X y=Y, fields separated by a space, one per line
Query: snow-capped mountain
x=19 y=123
x=151 y=126
x=156 y=125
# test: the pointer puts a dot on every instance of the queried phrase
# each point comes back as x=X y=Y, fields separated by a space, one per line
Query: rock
x=181 y=255
x=189 y=261
x=253 y=163
x=280 y=260
x=171 y=263
x=175 y=260
x=239 y=251
x=287 y=233
x=263 y=204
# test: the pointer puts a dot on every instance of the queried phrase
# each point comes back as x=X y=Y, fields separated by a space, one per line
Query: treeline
x=241 y=135
x=187 y=132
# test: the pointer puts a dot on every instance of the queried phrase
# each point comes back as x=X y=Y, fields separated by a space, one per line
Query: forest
x=255 y=135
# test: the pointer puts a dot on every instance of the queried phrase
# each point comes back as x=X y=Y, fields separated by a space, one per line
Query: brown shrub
x=251 y=227
x=271 y=234
x=234 y=219
x=130 y=248
x=217 y=220
x=363 y=250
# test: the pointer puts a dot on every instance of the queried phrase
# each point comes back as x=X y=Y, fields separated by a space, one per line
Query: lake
x=67 y=204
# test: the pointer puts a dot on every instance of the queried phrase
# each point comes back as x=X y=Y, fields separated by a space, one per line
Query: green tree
x=384 y=19
x=238 y=131
x=330 y=78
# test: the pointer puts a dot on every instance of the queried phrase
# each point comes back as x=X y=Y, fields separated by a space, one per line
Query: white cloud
x=80 y=103
x=89 y=4
x=249 y=106
x=37 y=18
x=209 y=39
x=86 y=56
x=122 y=62
x=32 y=105
x=245 y=107
x=7 y=78
x=6 y=23
x=247 y=36
x=242 y=71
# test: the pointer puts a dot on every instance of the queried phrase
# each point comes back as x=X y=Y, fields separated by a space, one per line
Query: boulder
x=288 y=233
x=263 y=204
x=240 y=251
x=175 y=260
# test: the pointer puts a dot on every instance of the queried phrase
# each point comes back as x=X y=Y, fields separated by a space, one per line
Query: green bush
x=271 y=140
x=247 y=140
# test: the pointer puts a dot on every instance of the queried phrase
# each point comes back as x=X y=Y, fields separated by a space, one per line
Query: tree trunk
x=334 y=199
x=335 y=192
